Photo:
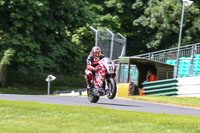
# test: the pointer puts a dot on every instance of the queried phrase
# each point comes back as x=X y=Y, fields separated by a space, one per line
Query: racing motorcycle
x=103 y=81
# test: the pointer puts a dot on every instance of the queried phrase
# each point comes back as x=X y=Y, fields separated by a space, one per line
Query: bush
x=38 y=80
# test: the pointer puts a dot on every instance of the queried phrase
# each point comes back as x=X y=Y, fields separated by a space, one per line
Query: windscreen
x=107 y=60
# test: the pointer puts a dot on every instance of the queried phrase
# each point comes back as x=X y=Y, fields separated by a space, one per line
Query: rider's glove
x=98 y=68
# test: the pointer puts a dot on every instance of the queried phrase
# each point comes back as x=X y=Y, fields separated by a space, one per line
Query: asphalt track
x=120 y=104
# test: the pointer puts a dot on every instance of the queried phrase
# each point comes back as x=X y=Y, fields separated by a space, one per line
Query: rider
x=92 y=61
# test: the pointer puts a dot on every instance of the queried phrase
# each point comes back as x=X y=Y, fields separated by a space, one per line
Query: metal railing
x=187 y=54
x=171 y=54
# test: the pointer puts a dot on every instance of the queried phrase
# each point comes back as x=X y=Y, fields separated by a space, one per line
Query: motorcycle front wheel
x=91 y=97
x=112 y=88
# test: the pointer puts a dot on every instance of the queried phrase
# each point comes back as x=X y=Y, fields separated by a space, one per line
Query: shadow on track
x=118 y=104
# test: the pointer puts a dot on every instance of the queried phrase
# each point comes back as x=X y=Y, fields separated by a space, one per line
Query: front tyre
x=91 y=97
x=112 y=88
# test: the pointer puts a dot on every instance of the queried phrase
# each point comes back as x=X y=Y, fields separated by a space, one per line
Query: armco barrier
x=181 y=87
x=161 y=87
x=188 y=87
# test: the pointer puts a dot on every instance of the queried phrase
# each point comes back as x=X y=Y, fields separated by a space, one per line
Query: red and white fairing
x=105 y=68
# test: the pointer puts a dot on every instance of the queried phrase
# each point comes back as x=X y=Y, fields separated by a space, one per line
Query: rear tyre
x=91 y=97
x=111 y=93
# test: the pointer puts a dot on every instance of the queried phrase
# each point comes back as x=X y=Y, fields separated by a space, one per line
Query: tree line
x=52 y=35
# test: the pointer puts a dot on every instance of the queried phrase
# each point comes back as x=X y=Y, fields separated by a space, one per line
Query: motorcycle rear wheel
x=91 y=97
x=111 y=93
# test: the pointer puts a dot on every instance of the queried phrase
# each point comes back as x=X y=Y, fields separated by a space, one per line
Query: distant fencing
x=112 y=45
x=171 y=54
x=188 y=62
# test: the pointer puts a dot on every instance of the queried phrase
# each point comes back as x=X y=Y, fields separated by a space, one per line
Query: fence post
x=152 y=57
x=128 y=72
x=192 y=59
x=124 y=48
x=118 y=72
x=149 y=56
x=96 y=34
x=112 y=41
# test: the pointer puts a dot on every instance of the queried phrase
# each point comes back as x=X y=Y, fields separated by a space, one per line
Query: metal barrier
x=189 y=53
x=181 y=87
x=171 y=54
x=161 y=87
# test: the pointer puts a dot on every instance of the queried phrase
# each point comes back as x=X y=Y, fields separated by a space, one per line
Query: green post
x=128 y=73
x=118 y=72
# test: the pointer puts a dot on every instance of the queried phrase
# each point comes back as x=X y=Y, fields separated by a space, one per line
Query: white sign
x=187 y=2
x=50 y=78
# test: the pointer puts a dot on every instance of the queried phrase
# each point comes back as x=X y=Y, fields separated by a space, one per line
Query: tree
x=161 y=20
x=40 y=33
x=5 y=62
x=118 y=16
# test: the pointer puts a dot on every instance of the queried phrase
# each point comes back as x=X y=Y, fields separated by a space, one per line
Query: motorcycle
x=103 y=81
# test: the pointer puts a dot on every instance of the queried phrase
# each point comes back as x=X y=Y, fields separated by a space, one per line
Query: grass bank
x=30 y=117
x=183 y=101
x=32 y=90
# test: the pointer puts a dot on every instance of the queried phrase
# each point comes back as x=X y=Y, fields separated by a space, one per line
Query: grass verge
x=31 y=90
x=22 y=90
x=182 y=101
x=31 y=117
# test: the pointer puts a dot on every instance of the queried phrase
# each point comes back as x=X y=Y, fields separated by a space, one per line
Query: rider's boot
x=88 y=84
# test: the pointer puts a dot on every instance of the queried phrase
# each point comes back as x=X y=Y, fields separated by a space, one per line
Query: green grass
x=30 y=117
x=183 y=101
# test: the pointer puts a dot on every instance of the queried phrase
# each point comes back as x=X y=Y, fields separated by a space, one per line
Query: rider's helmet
x=96 y=51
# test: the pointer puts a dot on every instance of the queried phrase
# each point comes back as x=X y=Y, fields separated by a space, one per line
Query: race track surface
x=120 y=104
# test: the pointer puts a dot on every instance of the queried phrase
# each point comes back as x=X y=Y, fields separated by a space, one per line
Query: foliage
x=103 y=14
x=118 y=16
x=36 y=80
x=7 y=57
x=54 y=35
x=37 y=31
x=161 y=21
